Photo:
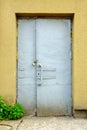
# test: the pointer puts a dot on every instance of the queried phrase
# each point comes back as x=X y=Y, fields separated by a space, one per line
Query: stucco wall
x=9 y=9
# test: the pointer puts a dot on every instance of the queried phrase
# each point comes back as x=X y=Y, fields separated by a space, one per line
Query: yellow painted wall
x=9 y=9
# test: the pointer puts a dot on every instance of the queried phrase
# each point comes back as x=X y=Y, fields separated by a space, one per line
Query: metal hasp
x=39 y=74
x=39 y=71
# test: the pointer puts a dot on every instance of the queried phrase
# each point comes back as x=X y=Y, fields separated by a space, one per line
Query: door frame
x=45 y=16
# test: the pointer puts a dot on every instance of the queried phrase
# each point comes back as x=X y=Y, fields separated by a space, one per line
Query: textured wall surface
x=8 y=35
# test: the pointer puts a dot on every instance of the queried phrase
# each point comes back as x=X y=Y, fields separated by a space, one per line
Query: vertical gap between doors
x=35 y=72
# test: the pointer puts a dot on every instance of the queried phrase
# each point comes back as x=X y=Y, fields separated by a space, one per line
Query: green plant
x=10 y=112
x=4 y=109
x=16 y=112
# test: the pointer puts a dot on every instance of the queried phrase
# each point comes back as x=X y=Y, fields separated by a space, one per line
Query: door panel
x=54 y=54
x=26 y=72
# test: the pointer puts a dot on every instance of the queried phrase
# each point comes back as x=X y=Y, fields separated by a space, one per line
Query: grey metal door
x=44 y=66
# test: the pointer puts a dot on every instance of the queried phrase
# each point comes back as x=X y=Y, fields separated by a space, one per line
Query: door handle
x=34 y=63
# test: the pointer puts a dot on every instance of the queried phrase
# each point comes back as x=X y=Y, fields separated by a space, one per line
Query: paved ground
x=45 y=123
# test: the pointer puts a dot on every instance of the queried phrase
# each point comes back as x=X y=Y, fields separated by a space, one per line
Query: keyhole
x=38 y=73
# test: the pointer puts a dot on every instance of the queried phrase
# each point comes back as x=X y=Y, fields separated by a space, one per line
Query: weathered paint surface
x=26 y=72
x=53 y=43
x=8 y=11
x=48 y=90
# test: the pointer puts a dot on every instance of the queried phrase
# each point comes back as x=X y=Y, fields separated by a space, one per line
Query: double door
x=44 y=66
